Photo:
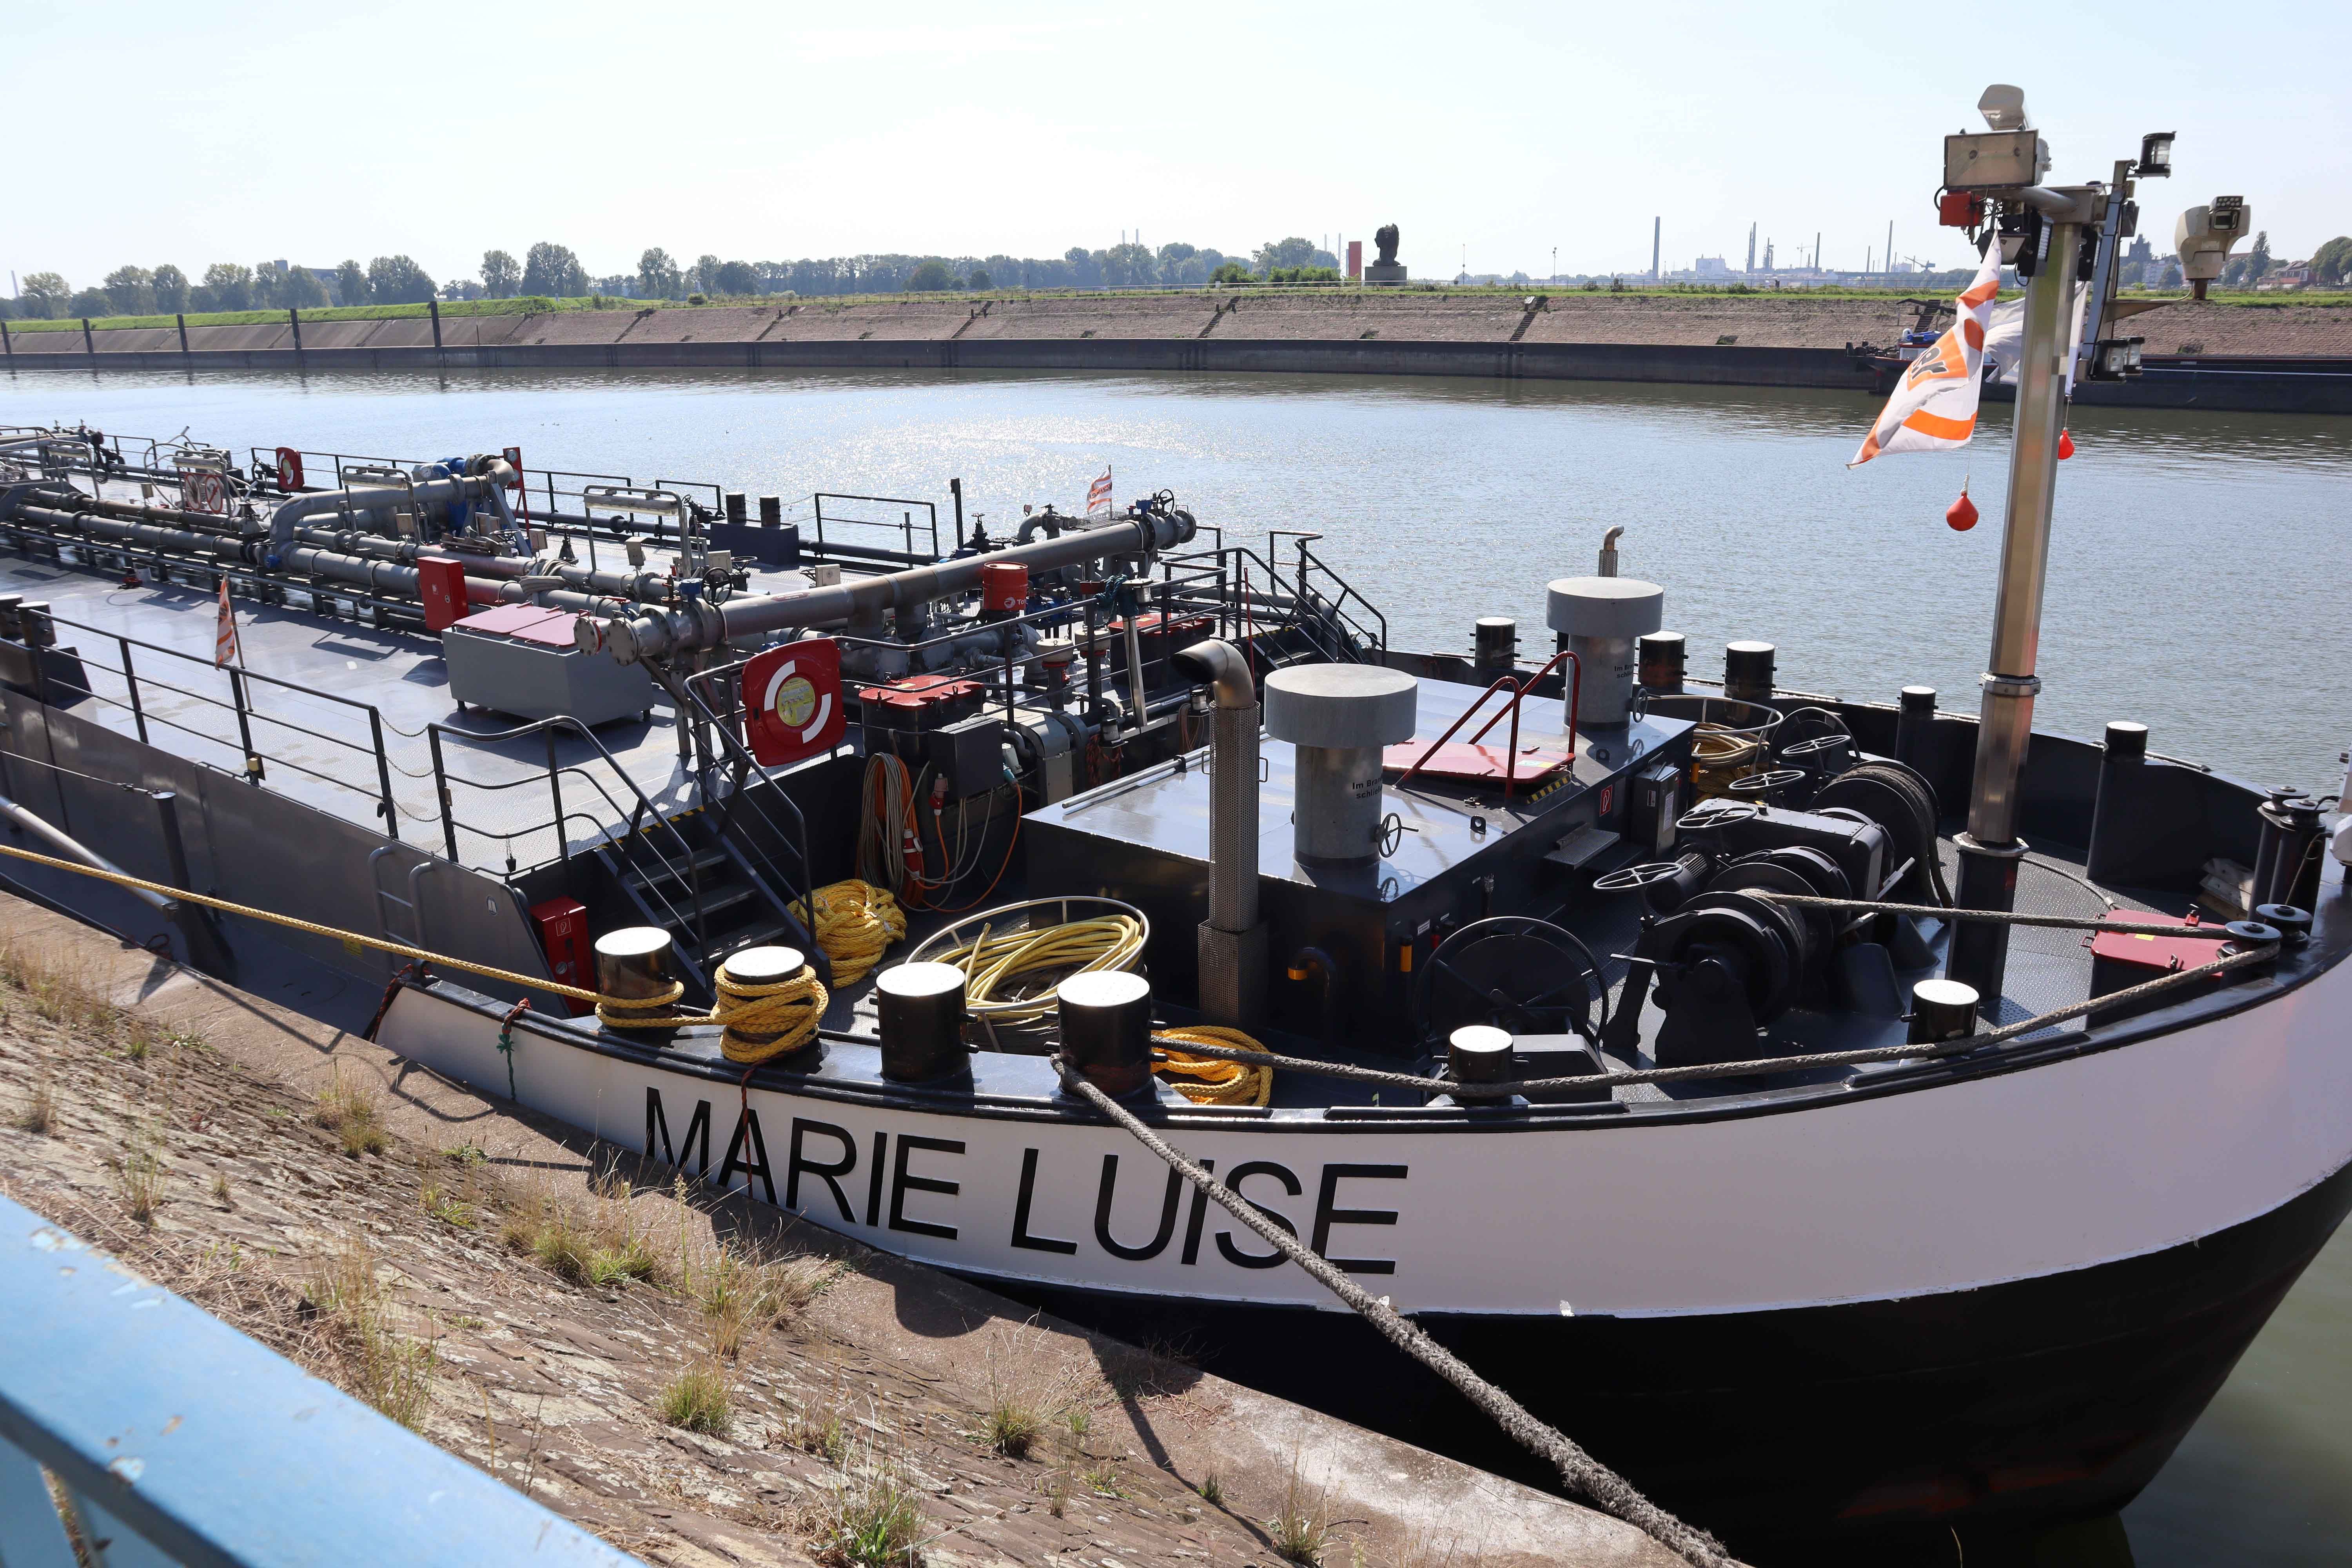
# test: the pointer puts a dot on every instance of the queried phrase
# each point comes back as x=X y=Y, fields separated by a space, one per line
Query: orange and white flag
x=225 y=648
x=1935 y=405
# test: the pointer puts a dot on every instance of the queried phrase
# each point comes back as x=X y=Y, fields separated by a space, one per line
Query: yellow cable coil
x=993 y=963
x=1718 y=756
x=1218 y=1081
x=854 y=922
x=788 y=1009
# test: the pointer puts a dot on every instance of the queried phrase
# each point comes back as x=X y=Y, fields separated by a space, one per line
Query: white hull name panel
x=2084 y=1161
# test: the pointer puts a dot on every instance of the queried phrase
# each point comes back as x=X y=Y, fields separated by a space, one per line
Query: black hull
x=1996 y=1412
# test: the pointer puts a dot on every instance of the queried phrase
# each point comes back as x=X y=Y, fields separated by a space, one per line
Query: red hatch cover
x=555 y=631
x=2160 y=954
x=506 y=620
x=1454 y=760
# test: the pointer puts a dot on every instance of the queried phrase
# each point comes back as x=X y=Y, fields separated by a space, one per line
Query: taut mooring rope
x=1578 y=1471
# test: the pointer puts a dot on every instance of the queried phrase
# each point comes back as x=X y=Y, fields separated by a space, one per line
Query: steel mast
x=2050 y=228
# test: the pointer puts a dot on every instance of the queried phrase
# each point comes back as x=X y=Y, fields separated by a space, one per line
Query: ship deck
x=313 y=678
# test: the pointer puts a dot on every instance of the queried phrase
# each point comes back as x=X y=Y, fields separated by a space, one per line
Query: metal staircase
x=691 y=878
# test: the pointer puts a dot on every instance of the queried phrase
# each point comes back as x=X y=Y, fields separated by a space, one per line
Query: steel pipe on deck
x=656 y=633
x=489 y=482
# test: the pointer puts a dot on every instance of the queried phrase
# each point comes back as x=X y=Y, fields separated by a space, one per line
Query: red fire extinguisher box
x=563 y=935
x=441 y=583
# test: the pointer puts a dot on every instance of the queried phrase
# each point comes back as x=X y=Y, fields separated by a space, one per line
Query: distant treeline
x=555 y=271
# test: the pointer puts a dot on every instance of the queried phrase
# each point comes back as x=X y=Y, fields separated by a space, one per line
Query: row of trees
x=225 y=286
x=554 y=271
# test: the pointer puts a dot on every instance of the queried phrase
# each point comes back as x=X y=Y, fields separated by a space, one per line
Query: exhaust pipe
x=1232 y=941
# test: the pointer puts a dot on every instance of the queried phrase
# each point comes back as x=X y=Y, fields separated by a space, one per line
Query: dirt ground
x=565 y=1318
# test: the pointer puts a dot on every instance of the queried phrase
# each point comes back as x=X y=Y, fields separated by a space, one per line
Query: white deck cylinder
x=1339 y=717
x=1601 y=617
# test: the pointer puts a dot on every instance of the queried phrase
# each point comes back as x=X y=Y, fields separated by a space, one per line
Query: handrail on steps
x=1518 y=694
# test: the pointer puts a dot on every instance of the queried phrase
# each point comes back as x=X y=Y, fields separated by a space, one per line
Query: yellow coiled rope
x=1217 y=1081
x=854 y=922
x=757 y=1022
x=994 y=965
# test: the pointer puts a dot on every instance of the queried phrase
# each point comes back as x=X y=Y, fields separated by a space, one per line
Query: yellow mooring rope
x=791 y=1006
x=854 y=922
x=1217 y=1082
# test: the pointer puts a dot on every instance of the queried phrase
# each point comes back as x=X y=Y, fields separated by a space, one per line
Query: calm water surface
x=2191 y=588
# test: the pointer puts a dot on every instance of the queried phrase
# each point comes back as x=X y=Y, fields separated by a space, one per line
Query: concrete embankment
x=1760 y=340
x=538 y=1298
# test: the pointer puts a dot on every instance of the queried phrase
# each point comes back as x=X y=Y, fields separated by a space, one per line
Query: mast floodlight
x=2003 y=107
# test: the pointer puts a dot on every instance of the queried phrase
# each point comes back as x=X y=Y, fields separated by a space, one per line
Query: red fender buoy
x=2066 y=446
x=1961 y=514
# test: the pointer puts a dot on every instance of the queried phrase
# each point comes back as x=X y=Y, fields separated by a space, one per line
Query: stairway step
x=657 y=866
x=760 y=935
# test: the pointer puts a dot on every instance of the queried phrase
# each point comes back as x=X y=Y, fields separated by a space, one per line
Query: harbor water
x=2188 y=590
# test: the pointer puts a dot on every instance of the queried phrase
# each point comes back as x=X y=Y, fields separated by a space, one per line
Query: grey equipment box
x=519 y=659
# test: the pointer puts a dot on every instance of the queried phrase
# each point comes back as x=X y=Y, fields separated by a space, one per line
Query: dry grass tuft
x=1014 y=1425
x=220 y=1190
x=38 y=1114
x=453 y=1209
x=604 y=1247
x=871 y=1520
x=393 y=1374
x=142 y=1178
x=700 y=1399
x=740 y=1295
x=1033 y=1385
x=350 y=1111
x=56 y=993
x=1302 y=1531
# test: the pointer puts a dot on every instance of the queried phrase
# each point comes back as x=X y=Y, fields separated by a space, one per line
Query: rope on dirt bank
x=1584 y=1476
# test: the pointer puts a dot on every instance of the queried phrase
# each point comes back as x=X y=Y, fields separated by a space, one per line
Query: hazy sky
x=200 y=132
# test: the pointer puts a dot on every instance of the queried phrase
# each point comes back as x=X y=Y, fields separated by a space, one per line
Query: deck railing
x=139 y=691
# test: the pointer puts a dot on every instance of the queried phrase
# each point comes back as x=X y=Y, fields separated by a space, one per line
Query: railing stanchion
x=441 y=789
x=555 y=794
x=130 y=680
x=244 y=725
x=384 y=771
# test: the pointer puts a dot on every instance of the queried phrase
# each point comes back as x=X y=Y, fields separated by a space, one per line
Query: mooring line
x=1578 y=1471
x=1760 y=1065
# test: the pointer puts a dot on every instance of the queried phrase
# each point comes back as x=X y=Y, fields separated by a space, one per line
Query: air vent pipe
x=1231 y=941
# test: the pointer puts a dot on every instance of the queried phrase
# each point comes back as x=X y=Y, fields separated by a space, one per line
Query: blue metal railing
x=176 y=1440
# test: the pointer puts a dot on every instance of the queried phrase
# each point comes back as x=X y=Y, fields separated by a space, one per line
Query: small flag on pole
x=1098 y=497
x=225 y=648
